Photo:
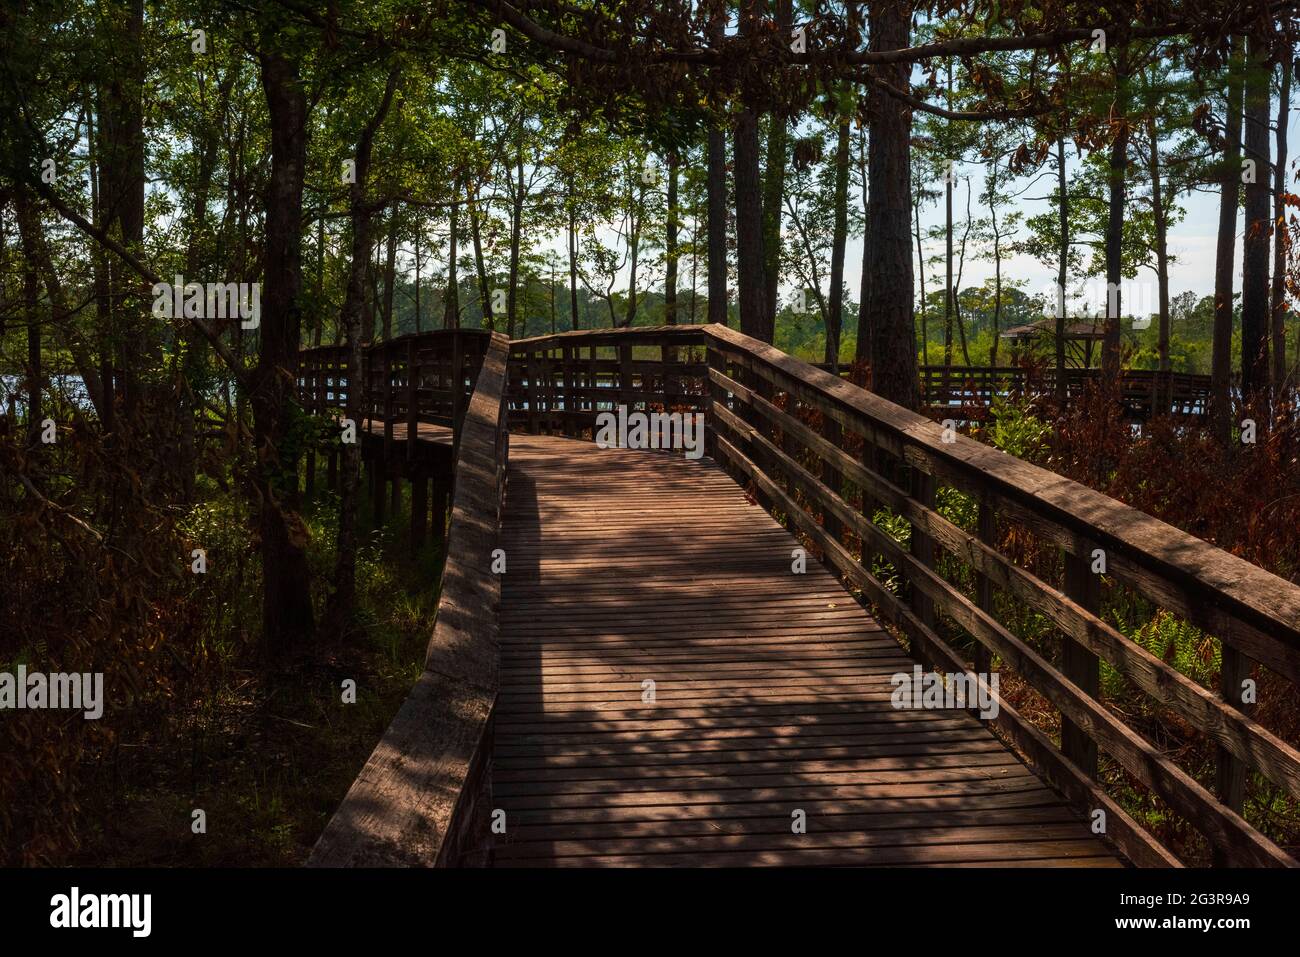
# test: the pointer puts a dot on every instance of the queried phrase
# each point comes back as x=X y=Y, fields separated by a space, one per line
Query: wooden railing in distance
x=1143 y=392
x=559 y=383
x=419 y=377
x=904 y=459
x=415 y=801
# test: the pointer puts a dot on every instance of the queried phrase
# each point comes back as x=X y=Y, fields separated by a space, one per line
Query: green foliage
x=1015 y=429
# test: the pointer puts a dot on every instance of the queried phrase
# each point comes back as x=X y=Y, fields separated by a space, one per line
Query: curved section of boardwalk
x=671 y=694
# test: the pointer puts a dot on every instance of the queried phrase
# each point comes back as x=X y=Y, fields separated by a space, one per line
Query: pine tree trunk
x=717 y=226
x=573 y=258
x=418 y=226
x=1258 y=227
x=390 y=275
x=835 y=317
x=862 y=348
x=752 y=292
x=485 y=303
x=890 y=299
x=342 y=603
x=1162 y=245
x=1062 y=268
x=287 y=616
x=1279 y=224
x=1225 y=254
x=516 y=232
x=451 y=302
x=670 y=245
x=35 y=375
x=1118 y=194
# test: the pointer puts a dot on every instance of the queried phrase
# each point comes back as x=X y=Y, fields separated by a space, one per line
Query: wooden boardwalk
x=649 y=683
x=771 y=693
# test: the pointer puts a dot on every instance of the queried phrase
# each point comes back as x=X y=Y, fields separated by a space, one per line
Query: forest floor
x=268 y=757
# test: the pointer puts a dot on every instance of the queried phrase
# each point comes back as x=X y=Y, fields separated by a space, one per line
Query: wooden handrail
x=1255 y=614
x=560 y=382
x=1249 y=609
x=394 y=374
x=415 y=801
x=1144 y=392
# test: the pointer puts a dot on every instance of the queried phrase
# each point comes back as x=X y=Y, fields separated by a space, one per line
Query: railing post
x=568 y=416
x=987 y=531
x=867 y=507
x=833 y=433
x=625 y=377
x=548 y=359
x=531 y=390
x=760 y=386
x=593 y=381
x=922 y=548
x=412 y=411
x=716 y=398
x=359 y=381
x=456 y=383
x=668 y=359
x=312 y=405
x=1083 y=587
x=1230 y=771
x=419 y=509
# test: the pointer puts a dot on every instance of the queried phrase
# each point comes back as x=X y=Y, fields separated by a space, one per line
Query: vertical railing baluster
x=834 y=479
x=593 y=382
x=1083 y=587
x=625 y=377
x=533 y=391
x=922 y=548
x=1230 y=771
x=569 y=408
x=412 y=403
x=716 y=399
x=987 y=531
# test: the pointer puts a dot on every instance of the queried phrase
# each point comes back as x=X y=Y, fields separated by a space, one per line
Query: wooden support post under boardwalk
x=419 y=509
x=332 y=471
x=1083 y=587
x=441 y=492
x=396 y=506
x=377 y=491
x=311 y=472
x=412 y=410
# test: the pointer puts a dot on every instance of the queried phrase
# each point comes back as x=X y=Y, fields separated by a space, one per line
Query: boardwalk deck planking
x=623 y=567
